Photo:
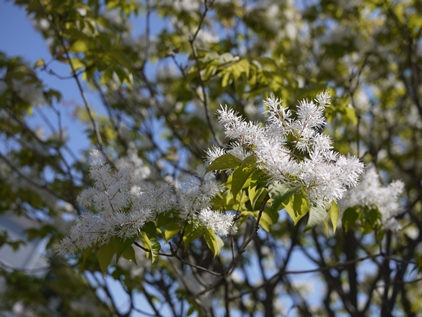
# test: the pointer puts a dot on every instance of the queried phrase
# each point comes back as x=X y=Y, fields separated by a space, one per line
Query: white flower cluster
x=371 y=192
x=194 y=194
x=292 y=148
x=122 y=201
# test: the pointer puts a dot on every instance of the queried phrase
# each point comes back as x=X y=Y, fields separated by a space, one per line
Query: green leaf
x=111 y=4
x=350 y=114
x=191 y=233
x=191 y=310
x=256 y=196
x=280 y=194
x=225 y=80
x=129 y=254
x=224 y=162
x=223 y=200
x=107 y=76
x=369 y=218
x=298 y=206
x=371 y=215
x=214 y=242
x=266 y=222
x=77 y=63
x=334 y=213
x=105 y=254
x=146 y=243
x=209 y=58
x=239 y=69
x=226 y=58
x=209 y=72
x=327 y=229
x=39 y=63
x=258 y=179
x=242 y=173
x=149 y=228
x=122 y=245
x=150 y=231
x=152 y=244
x=316 y=215
x=155 y=249
x=171 y=230
x=349 y=218
x=80 y=46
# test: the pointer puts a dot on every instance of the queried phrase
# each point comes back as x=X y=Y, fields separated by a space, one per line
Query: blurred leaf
x=129 y=254
x=105 y=254
x=171 y=230
x=80 y=46
x=39 y=63
x=349 y=218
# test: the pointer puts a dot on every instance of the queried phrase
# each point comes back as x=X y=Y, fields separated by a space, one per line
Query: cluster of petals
x=370 y=192
x=292 y=148
x=122 y=201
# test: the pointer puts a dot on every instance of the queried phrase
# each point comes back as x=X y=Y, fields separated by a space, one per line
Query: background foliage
x=160 y=69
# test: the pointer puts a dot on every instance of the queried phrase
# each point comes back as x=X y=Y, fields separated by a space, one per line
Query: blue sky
x=18 y=37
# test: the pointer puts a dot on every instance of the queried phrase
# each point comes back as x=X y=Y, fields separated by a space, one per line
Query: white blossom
x=139 y=171
x=121 y=202
x=213 y=153
x=29 y=91
x=292 y=148
x=195 y=193
x=218 y=222
x=114 y=204
x=237 y=149
x=370 y=191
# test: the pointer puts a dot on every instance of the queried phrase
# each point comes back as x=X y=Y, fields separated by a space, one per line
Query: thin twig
x=78 y=83
x=204 y=98
x=241 y=250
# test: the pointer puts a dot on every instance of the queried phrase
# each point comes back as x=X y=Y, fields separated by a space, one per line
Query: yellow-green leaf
x=150 y=232
x=256 y=196
x=327 y=229
x=351 y=115
x=79 y=46
x=106 y=76
x=77 y=64
x=39 y=63
x=266 y=222
x=334 y=213
x=214 y=242
x=225 y=80
x=171 y=230
x=298 y=206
